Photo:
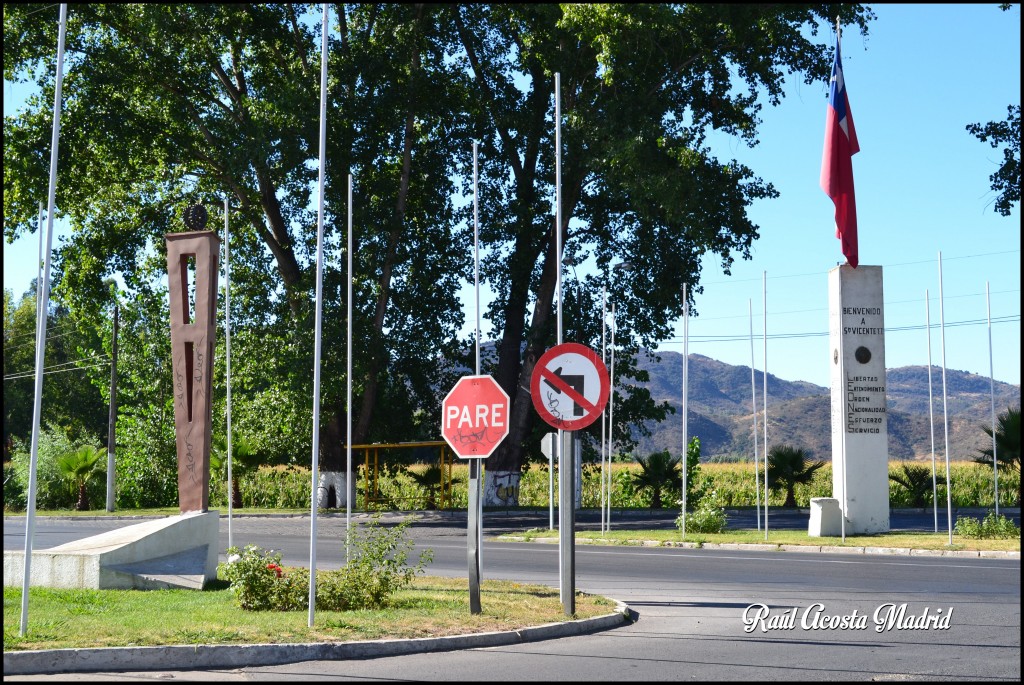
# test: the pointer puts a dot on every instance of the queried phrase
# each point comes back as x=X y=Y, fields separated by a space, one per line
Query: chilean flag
x=837 y=163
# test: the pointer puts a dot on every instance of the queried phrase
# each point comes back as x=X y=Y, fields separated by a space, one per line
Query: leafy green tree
x=642 y=85
x=191 y=102
x=696 y=484
x=917 y=480
x=1005 y=179
x=659 y=471
x=1007 y=439
x=78 y=467
x=69 y=400
x=789 y=467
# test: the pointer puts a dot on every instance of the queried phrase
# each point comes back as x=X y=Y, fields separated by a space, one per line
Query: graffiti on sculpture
x=192 y=283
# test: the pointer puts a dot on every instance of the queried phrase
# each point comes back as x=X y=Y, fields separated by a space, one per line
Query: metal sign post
x=569 y=389
x=567 y=521
x=474 y=421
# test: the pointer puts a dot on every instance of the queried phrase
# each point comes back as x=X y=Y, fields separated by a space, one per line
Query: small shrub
x=254 y=574
x=377 y=570
x=14 y=494
x=992 y=527
x=709 y=517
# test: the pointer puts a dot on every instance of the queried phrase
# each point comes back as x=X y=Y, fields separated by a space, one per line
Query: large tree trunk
x=378 y=353
x=506 y=463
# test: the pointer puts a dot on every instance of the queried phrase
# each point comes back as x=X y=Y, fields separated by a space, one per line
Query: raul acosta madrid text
x=886 y=617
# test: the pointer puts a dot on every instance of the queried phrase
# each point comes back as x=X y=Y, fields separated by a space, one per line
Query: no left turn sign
x=569 y=386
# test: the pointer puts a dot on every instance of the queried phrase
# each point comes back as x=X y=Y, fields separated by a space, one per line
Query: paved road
x=690 y=606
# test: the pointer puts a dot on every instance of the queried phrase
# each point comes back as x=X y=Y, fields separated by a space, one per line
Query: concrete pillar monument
x=860 y=435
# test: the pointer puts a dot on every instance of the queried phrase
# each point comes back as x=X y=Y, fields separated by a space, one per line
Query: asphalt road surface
x=701 y=614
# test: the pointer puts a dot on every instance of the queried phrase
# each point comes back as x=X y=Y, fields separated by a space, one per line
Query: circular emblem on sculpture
x=863 y=355
x=195 y=217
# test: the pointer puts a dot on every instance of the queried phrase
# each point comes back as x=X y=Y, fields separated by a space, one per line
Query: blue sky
x=922 y=185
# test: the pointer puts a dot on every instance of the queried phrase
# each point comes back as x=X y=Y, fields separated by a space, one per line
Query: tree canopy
x=169 y=105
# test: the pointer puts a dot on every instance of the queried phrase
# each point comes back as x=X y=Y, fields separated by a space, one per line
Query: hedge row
x=395 y=489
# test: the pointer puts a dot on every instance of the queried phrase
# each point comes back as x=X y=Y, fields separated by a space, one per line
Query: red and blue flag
x=837 y=163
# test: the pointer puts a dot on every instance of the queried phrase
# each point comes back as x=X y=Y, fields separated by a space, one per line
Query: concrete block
x=826 y=518
x=177 y=551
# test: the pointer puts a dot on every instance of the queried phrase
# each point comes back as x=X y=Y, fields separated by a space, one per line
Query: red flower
x=275 y=568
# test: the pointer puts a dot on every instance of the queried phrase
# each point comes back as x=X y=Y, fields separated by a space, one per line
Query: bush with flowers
x=377 y=569
x=708 y=517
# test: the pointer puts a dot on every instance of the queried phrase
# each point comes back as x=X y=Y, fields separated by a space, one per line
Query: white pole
x=992 y=398
x=686 y=383
x=476 y=288
x=30 y=514
x=842 y=430
x=764 y=299
x=604 y=415
x=350 y=488
x=319 y=315
x=945 y=415
x=611 y=419
x=476 y=254
x=227 y=355
x=39 y=266
x=558 y=290
x=558 y=219
x=931 y=412
x=551 y=489
x=753 y=405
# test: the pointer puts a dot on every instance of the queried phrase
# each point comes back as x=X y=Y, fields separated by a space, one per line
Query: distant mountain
x=799 y=412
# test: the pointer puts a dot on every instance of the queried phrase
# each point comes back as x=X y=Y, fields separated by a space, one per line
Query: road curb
x=206 y=657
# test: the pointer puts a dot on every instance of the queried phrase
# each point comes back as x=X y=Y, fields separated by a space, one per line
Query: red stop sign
x=475 y=416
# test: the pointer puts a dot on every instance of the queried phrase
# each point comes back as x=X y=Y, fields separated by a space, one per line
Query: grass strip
x=430 y=607
x=910 y=540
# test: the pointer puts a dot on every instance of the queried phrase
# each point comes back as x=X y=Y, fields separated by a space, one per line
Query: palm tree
x=1007 y=442
x=244 y=459
x=430 y=479
x=78 y=467
x=658 y=471
x=917 y=480
x=788 y=467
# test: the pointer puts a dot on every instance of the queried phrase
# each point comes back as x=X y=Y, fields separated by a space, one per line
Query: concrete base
x=334 y=481
x=175 y=552
x=826 y=518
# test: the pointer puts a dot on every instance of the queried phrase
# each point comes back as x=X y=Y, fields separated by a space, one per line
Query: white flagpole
x=843 y=430
x=349 y=485
x=931 y=413
x=604 y=415
x=558 y=291
x=764 y=299
x=319 y=316
x=39 y=266
x=227 y=355
x=686 y=384
x=945 y=414
x=611 y=418
x=992 y=398
x=753 y=405
x=30 y=514
x=476 y=254
x=476 y=288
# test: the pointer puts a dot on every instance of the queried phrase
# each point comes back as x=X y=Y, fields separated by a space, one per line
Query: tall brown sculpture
x=193 y=331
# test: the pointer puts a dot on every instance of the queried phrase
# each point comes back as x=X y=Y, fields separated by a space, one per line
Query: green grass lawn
x=912 y=540
x=430 y=607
